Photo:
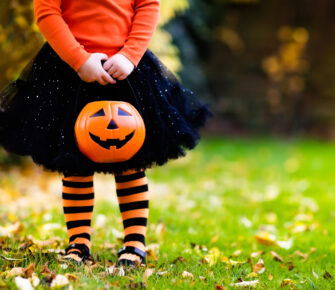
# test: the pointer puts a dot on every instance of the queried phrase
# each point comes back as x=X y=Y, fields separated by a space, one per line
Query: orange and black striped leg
x=78 y=202
x=133 y=197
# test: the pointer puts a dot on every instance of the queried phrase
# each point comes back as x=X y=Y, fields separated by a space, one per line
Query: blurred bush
x=266 y=65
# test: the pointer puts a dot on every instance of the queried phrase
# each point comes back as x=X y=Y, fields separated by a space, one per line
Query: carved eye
x=100 y=113
x=122 y=113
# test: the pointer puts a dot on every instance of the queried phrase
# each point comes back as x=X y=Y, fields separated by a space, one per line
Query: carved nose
x=112 y=125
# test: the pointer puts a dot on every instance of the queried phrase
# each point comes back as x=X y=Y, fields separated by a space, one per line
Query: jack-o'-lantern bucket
x=109 y=131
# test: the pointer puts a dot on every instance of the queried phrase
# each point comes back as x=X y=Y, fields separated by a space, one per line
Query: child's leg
x=133 y=197
x=78 y=201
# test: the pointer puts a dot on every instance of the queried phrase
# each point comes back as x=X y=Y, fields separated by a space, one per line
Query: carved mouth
x=112 y=142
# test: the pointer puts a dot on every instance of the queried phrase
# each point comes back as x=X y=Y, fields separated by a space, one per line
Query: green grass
x=216 y=199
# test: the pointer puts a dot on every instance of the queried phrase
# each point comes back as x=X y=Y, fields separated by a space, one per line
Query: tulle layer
x=40 y=109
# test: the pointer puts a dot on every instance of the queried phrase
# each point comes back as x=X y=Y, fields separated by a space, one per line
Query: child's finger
x=122 y=77
x=108 y=64
x=116 y=75
x=112 y=70
x=102 y=81
x=108 y=78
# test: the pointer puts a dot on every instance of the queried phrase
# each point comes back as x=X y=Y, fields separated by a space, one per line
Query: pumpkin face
x=109 y=131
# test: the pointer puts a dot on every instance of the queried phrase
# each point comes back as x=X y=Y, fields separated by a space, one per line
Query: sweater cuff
x=134 y=59
x=79 y=59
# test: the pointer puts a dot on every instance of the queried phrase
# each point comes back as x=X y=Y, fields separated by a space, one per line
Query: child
x=97 y=50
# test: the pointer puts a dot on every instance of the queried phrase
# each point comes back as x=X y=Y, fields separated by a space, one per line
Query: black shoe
x=130 y=250
x=79 y=256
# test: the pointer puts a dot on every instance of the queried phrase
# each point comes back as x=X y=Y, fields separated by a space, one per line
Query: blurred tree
x=19 y=37
x=269 y=65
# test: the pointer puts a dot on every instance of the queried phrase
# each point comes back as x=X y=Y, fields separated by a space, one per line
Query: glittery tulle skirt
x=44 y=102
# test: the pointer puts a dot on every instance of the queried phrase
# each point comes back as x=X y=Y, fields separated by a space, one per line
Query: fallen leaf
x=270 y=278
x=34 y=280
x=29 y=270
x=276 y=256
x=179 y=259
x=259 y=267
x=256 y=254
x=287 y=282
x=214 y=239
x=71 y=277
x=147 y=274
x=162 y=273
x=186 y=274
x=151 y=255
x=219 y=287
x=315 y=275
x=23 y=283
x=300 y=254
x=45 y=269
x=17 y=271
x=11 y=229
x=237 y=253
x=285 y=244
x=289 y=266
x=252 y=275
x=59 y=281
x=265 y=238
x=11 y=259
x=212 y=257
x=326 y=275
x=245 y=284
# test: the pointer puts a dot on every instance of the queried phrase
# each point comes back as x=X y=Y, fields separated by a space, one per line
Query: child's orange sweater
x=76 y=28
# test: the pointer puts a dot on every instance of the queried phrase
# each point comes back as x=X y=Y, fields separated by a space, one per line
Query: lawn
x=256 y=212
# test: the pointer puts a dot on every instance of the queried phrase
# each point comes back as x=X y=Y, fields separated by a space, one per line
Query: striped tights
x=133 y=197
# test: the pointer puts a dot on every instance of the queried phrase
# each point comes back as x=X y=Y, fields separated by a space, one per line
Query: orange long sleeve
x=76 y=28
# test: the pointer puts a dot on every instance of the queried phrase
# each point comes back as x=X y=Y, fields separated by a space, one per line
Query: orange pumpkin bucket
x=109 y=131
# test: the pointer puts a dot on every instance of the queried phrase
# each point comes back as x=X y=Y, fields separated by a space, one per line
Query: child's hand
x=118 y=66
x=92 y=70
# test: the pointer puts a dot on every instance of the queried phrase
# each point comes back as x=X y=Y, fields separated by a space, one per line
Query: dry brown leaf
x=29 y=270
x=45 y=269
x=287 y=282
x=256 y=254
x=276 y=256
x=259 y=267
x=151 y=255
x=219 y=287
x=214 y=239
x=186 y=274
x=300 y=254
x=147 y=274
x=289 y=266
x=179 y=259
x=326 y=275
x=71 y=277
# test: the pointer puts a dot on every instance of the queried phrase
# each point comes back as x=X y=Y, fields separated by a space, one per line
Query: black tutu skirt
x=44 y=102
